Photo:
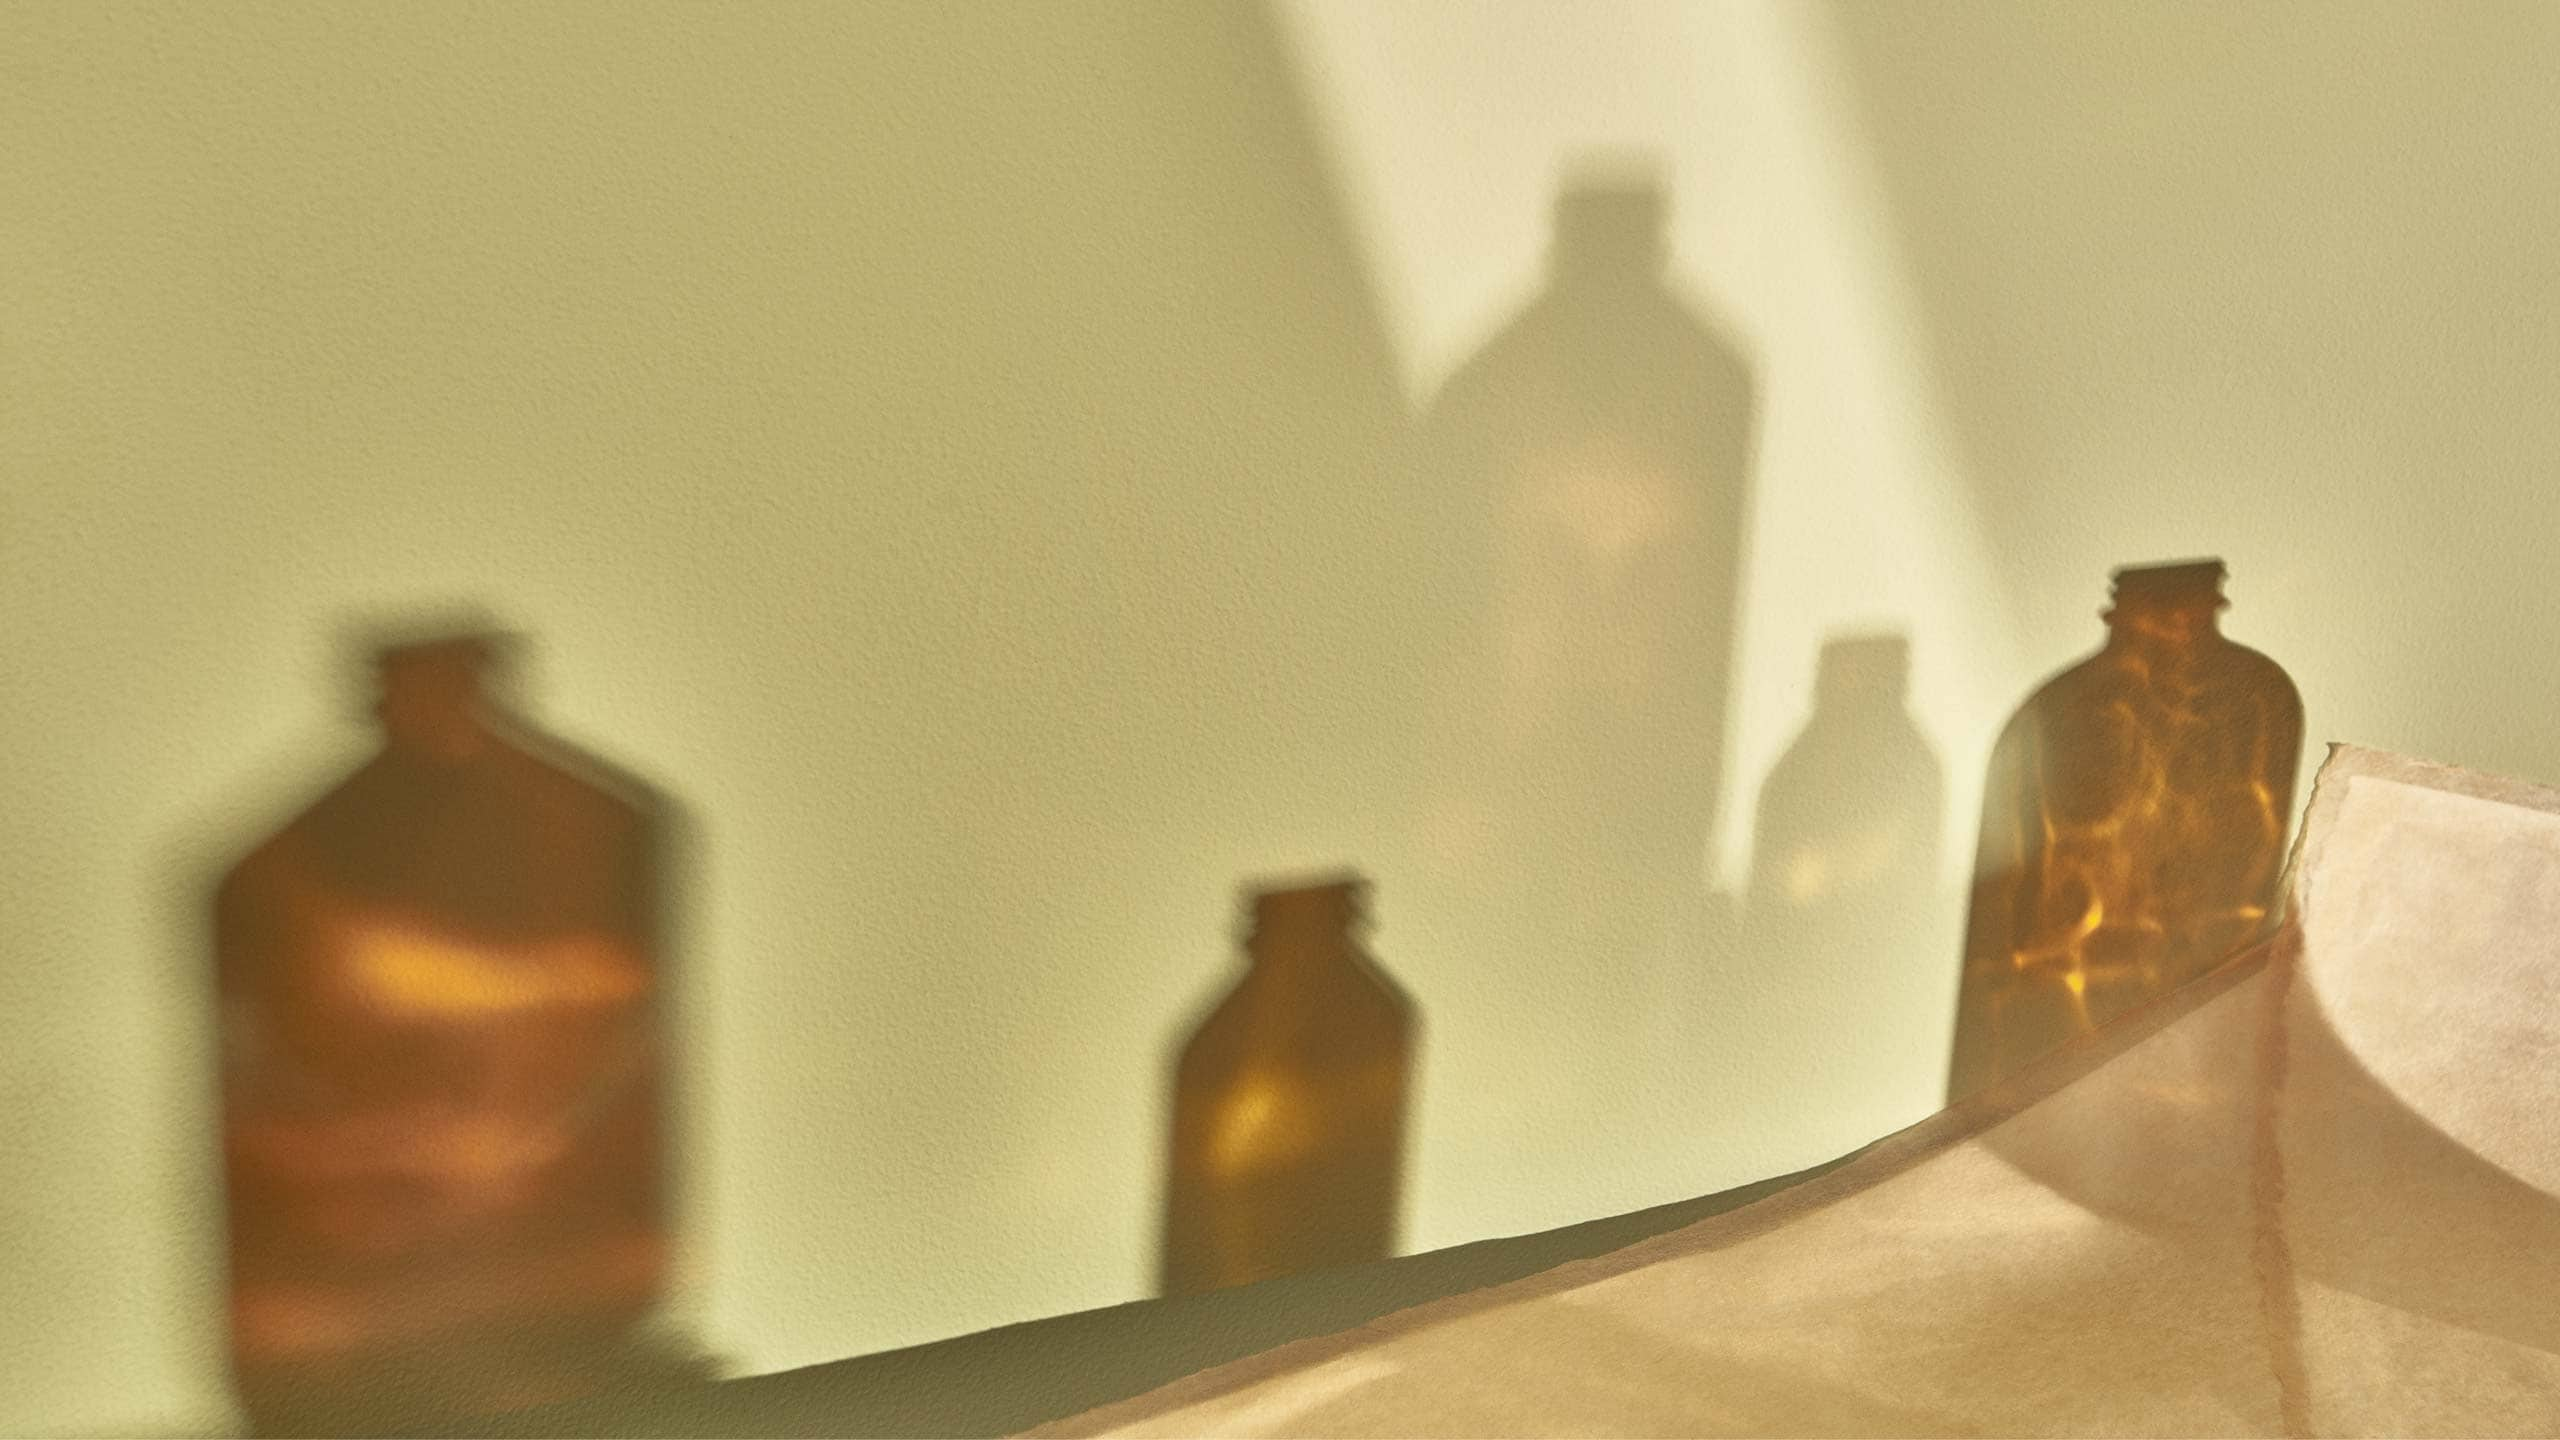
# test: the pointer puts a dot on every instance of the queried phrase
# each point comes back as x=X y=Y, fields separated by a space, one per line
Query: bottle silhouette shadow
x=1844 y=883
x=1590 y=466
x=442 y=1009
x=1289 y=1101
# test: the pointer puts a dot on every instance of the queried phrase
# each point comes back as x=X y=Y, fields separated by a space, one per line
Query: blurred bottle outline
x=444 y=1065
x=1290 y=1101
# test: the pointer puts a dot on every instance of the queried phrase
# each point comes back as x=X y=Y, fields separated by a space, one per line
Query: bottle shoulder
x=2220 y=662
x=2094 y=671
x=507 y=828
x=545 y=767
x=1885 y=736
x=1354 y=998
x=2100 y=723
x=1567 y=342
x=1354 y=979
x=285 y=844
x=2264 y=675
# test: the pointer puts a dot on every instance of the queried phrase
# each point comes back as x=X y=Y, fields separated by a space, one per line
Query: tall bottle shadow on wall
x=2133 y=826
x=446 y=1066
x=1844 y=874
x=1591 y=462
x=1289 y=1101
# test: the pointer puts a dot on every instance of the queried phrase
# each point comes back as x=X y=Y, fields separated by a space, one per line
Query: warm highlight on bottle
x=2133 y=826
x=1290 y=1104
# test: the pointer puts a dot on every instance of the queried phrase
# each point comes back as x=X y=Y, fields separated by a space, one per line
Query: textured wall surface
x=928 y=440
x=945 y=445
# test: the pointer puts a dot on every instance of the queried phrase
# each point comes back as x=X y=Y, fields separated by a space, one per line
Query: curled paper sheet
x=2315 y=1192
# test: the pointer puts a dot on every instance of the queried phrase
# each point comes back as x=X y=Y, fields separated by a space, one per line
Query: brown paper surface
x=2312 y=1193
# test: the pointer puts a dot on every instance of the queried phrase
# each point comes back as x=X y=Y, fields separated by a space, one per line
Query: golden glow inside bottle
x=2133 y=826
x=440 y=996
x=1290 y=1102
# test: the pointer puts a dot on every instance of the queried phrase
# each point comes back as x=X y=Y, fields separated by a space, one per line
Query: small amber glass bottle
x=1289 y=1103
x=441 y=1072
x=2133 y=826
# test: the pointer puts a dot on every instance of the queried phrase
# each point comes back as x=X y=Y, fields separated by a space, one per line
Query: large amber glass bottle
x=2133 y=825
x=1289 y=1103
x=442 y=1072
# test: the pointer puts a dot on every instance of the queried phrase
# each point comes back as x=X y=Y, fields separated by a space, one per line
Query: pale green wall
x=939 y=442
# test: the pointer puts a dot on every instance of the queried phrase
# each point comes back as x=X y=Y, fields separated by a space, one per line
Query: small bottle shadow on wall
x=442 y=1005
x=1290 y=1101
x=1844 y=898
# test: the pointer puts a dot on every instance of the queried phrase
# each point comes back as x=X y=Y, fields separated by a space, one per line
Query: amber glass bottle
x=1289 y=1103
x=2133 y=825
x=442 y=1071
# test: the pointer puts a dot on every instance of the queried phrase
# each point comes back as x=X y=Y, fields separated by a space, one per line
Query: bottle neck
x=1306 y=929
x=1610 y=235
x=1634 y=272
x=2166 y=607
x=1863 y=676
x=433 y=704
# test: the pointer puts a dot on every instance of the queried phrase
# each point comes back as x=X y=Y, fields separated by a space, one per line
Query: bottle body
x=1290 y=1106
x=442 y=1074
x=2134 y=825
